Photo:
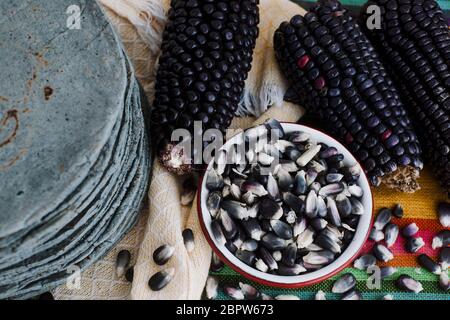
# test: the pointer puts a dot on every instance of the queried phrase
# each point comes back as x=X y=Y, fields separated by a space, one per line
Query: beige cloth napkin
x=140 y=23
x=266 y=85
x=167 y=221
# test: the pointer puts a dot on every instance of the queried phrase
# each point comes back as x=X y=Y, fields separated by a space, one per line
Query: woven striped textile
x=420 y=207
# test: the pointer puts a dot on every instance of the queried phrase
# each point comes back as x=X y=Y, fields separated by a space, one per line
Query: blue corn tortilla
x=80 y=186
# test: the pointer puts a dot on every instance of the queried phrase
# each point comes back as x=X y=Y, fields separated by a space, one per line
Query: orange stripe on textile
x=409 y=260
x=420 y=208
x=423 y=224
x=422 y=204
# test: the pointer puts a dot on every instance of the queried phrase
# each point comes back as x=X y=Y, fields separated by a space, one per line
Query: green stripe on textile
x=416 y=273
x=429 y=282
x=366 y=296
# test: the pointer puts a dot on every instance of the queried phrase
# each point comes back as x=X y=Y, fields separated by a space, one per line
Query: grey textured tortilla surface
x=49 y=141
x=64 y=227
x=83 y=165
x=102 y=177
x=32 y=281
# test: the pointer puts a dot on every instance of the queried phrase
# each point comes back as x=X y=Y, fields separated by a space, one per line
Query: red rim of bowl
x=218 y=252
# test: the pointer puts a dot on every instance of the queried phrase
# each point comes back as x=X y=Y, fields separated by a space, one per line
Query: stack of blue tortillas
x=74 y=158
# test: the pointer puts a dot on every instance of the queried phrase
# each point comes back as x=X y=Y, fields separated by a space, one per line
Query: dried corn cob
x=415 y=41
x=339 y=77
x=206 y=56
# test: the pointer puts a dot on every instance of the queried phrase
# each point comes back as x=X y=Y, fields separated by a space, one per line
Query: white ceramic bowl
x=351 y=252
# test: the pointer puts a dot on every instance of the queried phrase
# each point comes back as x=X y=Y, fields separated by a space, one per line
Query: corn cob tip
x=414 y=42
x=175 y=160
x=404 y=179
x=206 y=55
